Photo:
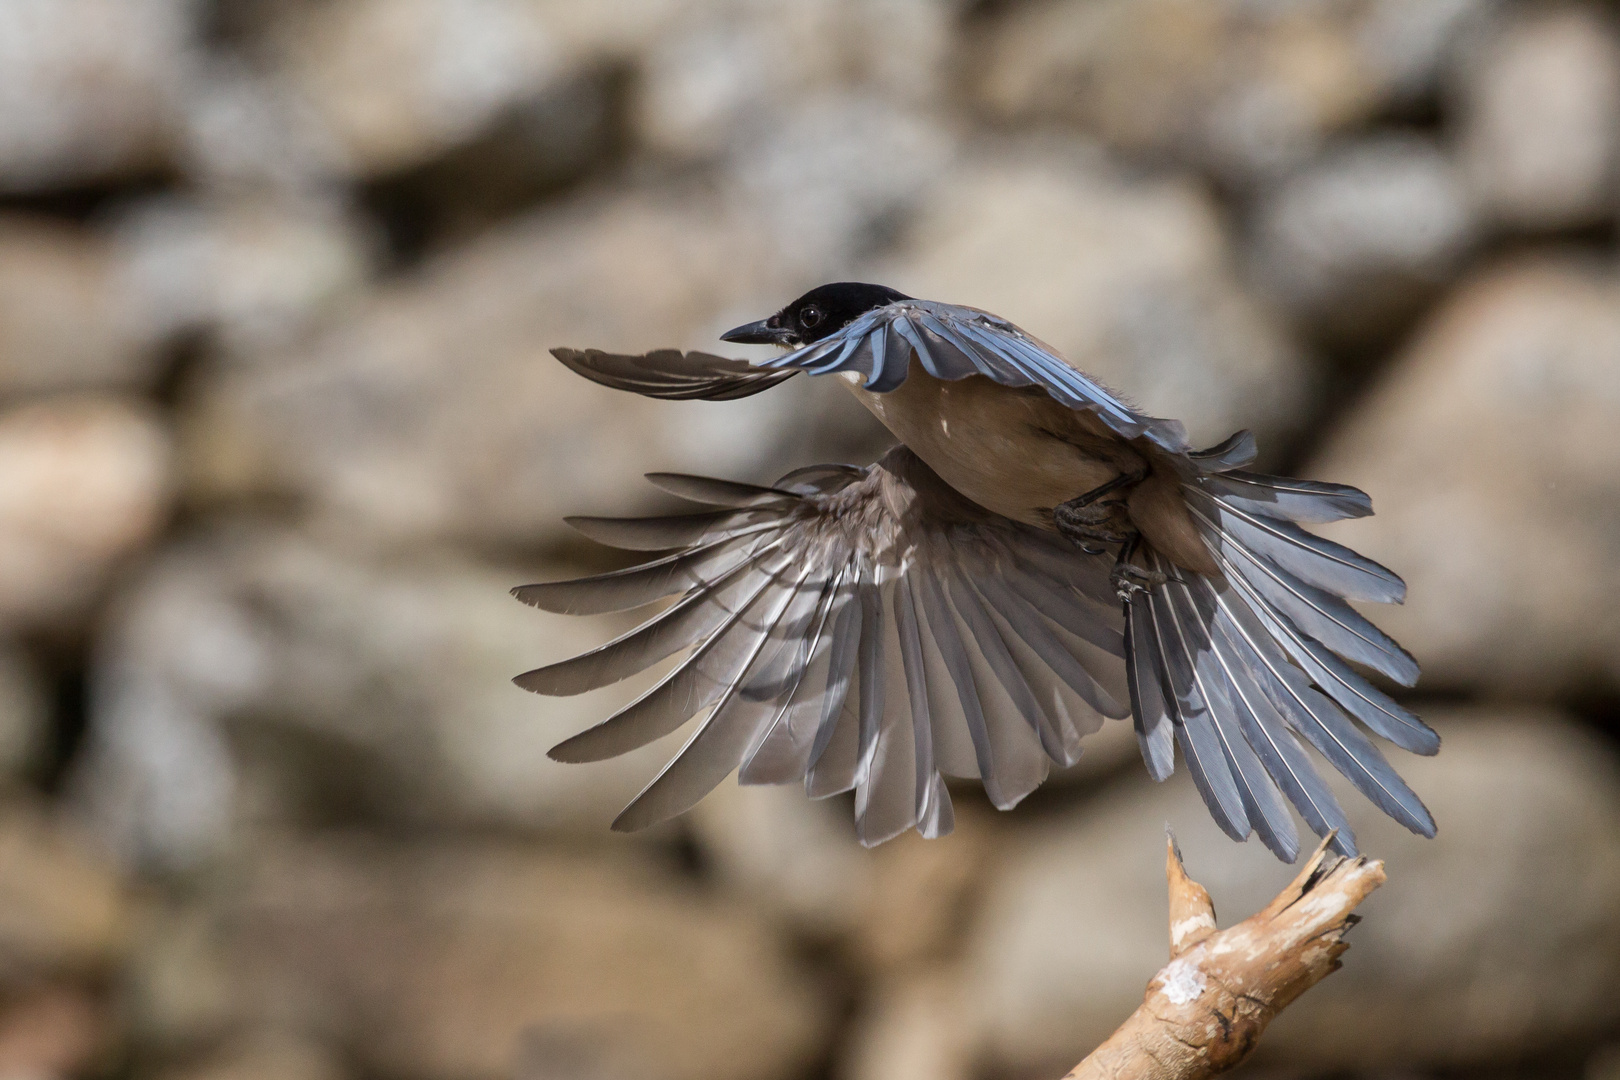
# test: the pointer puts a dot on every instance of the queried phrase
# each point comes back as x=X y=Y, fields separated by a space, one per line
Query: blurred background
x=278 y=430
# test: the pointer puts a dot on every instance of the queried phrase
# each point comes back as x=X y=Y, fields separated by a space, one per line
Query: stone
x=1496 y=937
x=1538 y=98
x=1488 y=449
x=25 y=716
x=1358 y=241
x=263 y=1056
x=393 y=83
x=87 y=481
x=1246 y=90
x=469 y=959
x=432 y=409
x=87 y=89
x=65 y=319
x=1129 y=277
x=256 y=271
x=890 y=908
x=54 y=1031
x=913 y=1028
x=738 y=71
x=64 y=910
x=254 y=678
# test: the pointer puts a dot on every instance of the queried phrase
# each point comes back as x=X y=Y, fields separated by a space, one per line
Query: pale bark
x=1204 y=1011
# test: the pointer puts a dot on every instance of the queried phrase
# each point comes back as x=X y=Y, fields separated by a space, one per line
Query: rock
x=255 y=270
x=1498 y=937
x=890 y=908
x=1128 y=277
x=63 y=909
x=87 y=89
x=255 y=678
x=1244 y=89
x=738 y=71
x=433 y=409
x=86 y=482
x=394 y=83
x=1488 y=450
x=65 y=319
x=264 y=1056
x=915 y=1028
x=1356 y=242
x=50 y=1032
x=25 y=716
x=832 y=175
x=1539 y=102
x=460 y=959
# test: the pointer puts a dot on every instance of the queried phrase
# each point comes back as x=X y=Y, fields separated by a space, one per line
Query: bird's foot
x=1130 y=580
x=1095 y=525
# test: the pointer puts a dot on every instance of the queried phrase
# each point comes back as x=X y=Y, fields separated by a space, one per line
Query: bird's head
x=822 y=311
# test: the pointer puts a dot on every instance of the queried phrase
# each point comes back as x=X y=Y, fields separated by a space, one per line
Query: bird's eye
x=810 y=315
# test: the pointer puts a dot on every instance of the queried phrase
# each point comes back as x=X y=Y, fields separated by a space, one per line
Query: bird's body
x=1034 y=558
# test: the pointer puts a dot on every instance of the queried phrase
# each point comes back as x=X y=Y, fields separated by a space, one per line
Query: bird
x=1032 y=558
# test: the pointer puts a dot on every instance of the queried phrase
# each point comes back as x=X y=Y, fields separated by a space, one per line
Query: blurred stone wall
x=278 y=430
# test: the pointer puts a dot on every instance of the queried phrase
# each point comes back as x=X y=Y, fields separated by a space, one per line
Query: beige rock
x=1246 y=89
x=1128 y=277
x=458 y=959
x=54 y=1031
x=25 y=715
x=913 y=1028
x=889 y=908
x=1496 y=937
x=433 y=408
x=87 y=88
x=65 y=320
x=63 y=910
x=84 y=482
x=1489 y=452
x=1539 y=98
x=264 y=1056
x=392 y=83
x=254 y=677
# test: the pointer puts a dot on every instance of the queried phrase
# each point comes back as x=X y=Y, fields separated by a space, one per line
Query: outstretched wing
x=953 y=342
x=864 y=629
x=672 y=374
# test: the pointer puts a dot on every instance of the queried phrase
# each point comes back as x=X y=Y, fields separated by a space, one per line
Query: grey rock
x=1488 y=448
x=254 y=678
x=1356 y=242
x=1499 y=935
x=1538 y=95
x=255 y=270
x=1128 y=277
x=66 y=319
x=433 y=409
x=1245 y=89
x=477 y=960
x=89 y=481
x=87 y=88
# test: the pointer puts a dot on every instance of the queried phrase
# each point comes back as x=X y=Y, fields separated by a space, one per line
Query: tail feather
x=1241 y=666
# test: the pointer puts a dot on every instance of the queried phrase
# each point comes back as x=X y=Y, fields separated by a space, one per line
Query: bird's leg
x=1091 y=521
x=1129 y=579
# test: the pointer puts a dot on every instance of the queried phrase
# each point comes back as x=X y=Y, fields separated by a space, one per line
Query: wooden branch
x=1204 y=1011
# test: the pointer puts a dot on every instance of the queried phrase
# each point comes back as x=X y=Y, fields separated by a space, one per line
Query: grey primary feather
x=672 y=374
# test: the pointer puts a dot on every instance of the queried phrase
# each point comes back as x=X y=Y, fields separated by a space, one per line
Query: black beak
x=758 y=333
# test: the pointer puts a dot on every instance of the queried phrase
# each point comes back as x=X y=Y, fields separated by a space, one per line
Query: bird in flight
x=1034 y=557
